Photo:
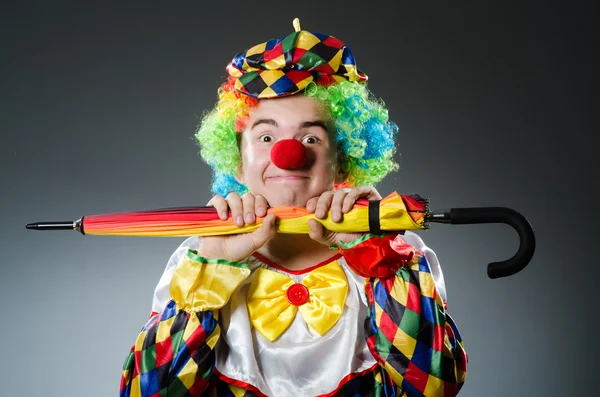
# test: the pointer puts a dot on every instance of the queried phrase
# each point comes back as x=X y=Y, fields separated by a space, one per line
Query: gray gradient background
x=495 y=104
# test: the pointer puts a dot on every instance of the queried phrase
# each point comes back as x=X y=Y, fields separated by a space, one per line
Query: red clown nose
x=288 y=154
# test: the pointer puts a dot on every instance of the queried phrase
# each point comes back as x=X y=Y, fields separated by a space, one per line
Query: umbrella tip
x=60 y=225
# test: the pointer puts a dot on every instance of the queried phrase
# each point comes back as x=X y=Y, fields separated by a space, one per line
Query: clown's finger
x=336 y=204
x=318 y=233
x=368 y=192
x=248 y=205
x=260 y=205
x=323 y=205
x=264 y=233
x=220 y=205
x=237 y=209
x=311 y=205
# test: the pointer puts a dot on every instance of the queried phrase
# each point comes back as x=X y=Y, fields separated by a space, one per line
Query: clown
x=323 y=314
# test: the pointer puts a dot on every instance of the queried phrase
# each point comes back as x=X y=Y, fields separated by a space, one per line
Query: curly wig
x=364 y=135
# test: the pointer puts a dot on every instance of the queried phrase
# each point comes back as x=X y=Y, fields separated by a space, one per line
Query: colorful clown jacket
x=370 y=321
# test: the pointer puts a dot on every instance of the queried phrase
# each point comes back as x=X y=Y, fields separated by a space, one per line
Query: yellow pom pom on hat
x=285 y=66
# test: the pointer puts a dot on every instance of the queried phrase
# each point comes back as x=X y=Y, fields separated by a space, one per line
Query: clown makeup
x=273 y=120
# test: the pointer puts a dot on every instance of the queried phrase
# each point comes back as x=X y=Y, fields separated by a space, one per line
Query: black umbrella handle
x=469 y=216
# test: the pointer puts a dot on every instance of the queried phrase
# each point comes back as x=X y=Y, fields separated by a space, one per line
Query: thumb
x=318 y=233
x=265 y=232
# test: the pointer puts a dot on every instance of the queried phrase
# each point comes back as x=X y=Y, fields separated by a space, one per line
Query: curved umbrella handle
x=466 y=216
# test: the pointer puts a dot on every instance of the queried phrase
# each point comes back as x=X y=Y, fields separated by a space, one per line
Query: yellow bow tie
x=274 y=299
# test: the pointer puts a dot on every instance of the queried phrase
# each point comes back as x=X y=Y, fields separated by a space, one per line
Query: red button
x=297 y=294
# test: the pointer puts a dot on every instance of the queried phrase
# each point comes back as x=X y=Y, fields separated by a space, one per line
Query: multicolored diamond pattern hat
x=282 y=67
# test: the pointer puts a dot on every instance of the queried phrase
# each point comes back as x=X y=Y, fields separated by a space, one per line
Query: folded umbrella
x=395 y=213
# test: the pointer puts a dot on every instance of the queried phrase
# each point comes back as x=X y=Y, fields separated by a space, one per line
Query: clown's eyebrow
x=306 y=124
x=264 y=121
x=316 y=123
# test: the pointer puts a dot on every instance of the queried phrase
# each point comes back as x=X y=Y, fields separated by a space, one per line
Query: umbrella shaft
x=439 y=216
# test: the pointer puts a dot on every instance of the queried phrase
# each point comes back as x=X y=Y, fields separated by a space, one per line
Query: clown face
x=274 y=120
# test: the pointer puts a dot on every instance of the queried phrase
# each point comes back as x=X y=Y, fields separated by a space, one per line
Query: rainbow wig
x=364 y=135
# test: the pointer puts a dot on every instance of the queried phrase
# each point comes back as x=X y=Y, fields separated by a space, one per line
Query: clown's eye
x=311 y=139
x=265 y=138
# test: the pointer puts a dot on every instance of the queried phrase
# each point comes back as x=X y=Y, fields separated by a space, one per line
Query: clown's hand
x=338 y=202
x=244 y=210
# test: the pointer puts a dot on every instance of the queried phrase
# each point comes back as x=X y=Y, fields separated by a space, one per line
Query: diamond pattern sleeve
x=174 y=352
x=408 y=329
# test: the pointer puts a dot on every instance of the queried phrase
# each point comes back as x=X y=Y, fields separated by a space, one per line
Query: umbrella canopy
x=396 y=212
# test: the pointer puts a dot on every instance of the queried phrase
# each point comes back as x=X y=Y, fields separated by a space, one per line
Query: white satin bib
x=300 y=362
